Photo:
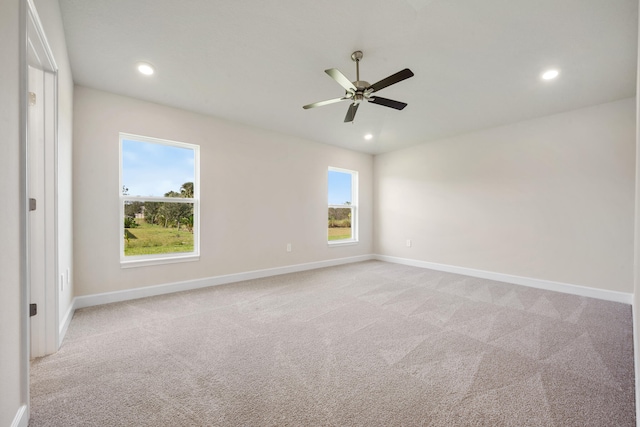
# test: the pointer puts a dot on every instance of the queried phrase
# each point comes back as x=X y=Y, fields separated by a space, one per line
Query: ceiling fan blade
x=392 y=79
x=327 y=102
x=388 y=102
x=351 y=113
x=342 y=80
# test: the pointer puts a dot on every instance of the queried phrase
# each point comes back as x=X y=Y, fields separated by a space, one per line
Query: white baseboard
x=636 y=358
x=66 y=320
x=129 y=294
x=148 y=291
x=566 y=288
x=21 y=419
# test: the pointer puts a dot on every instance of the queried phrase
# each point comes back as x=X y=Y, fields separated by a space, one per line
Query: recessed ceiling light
x=550 y=74
x=368 y=136
x=146 y=69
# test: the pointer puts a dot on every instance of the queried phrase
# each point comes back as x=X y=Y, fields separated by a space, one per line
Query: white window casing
x=127 y=261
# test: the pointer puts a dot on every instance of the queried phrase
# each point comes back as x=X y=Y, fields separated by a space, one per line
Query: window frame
x=158 y=259
x=353 y=206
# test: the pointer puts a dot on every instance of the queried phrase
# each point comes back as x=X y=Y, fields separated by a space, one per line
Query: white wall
x=550 y=198
x=49 y=12
x=10 y=276
x=259 y=191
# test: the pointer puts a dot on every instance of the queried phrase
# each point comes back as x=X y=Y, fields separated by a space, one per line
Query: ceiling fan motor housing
x=360 y=94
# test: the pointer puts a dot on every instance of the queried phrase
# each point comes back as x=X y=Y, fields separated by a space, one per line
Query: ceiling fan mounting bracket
x=356 y=56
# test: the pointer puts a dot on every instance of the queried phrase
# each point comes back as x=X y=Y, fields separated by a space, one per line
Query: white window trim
x=354 y=208
x=157 y=259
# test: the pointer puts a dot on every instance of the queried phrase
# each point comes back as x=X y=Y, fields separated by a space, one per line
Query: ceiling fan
x=360 y=90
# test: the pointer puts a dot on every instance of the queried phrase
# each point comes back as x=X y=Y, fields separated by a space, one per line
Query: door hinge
x=32 y=204
x=32 y=99
x=33 y=310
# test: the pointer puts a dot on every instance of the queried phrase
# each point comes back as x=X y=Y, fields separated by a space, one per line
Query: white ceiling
x=476 y=63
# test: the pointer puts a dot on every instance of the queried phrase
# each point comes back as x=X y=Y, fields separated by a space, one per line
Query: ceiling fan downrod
x=356 y=57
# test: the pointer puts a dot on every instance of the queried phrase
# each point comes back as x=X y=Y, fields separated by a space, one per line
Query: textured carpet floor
x=364 y=344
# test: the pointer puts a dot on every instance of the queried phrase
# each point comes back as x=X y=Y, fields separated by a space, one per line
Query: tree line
x=165 y=214
x=340 y=217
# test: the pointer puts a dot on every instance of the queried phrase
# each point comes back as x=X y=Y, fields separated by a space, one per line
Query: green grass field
x=149 y=239
x=154 y=239
x=339 y=233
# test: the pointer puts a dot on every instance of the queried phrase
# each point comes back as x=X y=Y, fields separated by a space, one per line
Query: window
x=343 y=206
x=159 y=201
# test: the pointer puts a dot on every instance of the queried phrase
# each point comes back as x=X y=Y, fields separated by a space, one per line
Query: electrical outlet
x=408 y=243
x=288 y=247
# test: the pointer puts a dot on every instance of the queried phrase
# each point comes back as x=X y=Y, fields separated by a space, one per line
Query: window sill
x=143 y=262
x=342 y=243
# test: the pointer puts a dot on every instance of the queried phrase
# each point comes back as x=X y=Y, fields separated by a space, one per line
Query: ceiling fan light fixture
x=145 y=68
x=550 y=74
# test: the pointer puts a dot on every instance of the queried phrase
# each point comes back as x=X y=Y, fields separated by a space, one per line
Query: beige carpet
x=366 y=344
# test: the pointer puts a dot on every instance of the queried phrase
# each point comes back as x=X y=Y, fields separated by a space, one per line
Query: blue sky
x=339 y=187
x=150 y=169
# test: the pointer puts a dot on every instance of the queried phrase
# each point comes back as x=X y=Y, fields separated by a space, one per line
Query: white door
x=41 y=185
